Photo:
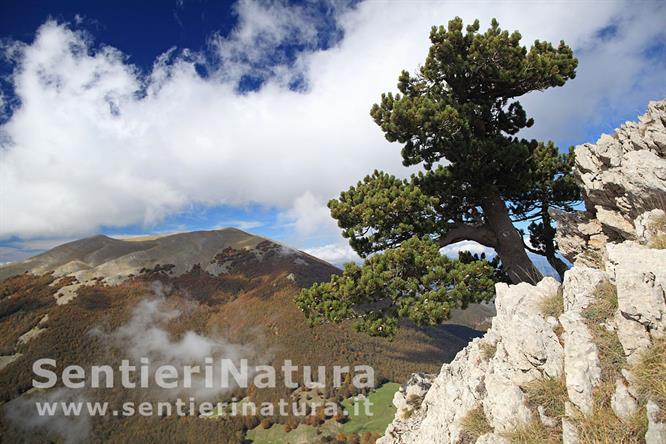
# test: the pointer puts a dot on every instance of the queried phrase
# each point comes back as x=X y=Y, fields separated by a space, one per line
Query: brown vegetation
x=650 y=375
x=247 y=305
x=474 y=424
x=550 y=393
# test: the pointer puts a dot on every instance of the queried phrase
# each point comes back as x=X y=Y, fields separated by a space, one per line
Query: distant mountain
x=230 y=290
x=115 y=259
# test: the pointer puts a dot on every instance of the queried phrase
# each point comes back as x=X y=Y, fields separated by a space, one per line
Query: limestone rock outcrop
x=562 y=362
x=622 y=176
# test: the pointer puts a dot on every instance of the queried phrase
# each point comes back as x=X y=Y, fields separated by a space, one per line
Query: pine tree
x=458 y=119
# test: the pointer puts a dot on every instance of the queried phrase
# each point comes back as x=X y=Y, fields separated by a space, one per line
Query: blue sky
x=146 y=117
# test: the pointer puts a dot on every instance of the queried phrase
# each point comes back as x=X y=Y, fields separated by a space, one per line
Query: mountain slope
x=226 y=290
x=115 y=259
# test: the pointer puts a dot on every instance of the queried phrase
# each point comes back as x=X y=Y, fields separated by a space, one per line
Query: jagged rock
x=616 y=222
x=581 y=358
x=492 y=438
x=475 y=378
x=581 y=361
x=578 y=232
x=632 y=336
x=580 y=285
x=624 y=405
x=569 y=431
x=649 y=225
x=417 y=386
x=640 y=277
x=656 y=433
x=626 y=173
x=410 y=396
x=504 y=405
x=624 y=179
x=518 y=319
x=548 y=421
x=455 y=391
x=622 y=176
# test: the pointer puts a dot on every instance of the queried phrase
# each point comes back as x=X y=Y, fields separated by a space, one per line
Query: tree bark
x=510 y=249
x=462 y=232
x=551 y=253
x=558 y=264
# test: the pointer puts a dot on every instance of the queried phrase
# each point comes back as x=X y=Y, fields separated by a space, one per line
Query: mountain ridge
x=114 y=259
x=229 y=287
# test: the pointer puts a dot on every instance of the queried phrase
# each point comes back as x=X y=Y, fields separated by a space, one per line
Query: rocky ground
x=579 y=362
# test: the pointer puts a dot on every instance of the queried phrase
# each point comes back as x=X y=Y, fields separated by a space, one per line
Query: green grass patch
x=602 y=425
x=611 y=361
x=277 y=434
x=594 y=258
x=658 y=241
x=610 y=351
x=382 y=411
x=361 y=424
x=488 y=350
x=604 y=305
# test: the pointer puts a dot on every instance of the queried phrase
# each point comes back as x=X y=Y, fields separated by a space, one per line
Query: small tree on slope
x=457 y=118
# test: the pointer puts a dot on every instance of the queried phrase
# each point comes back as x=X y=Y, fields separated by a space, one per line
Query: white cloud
x=471 y=246
x=240 y=224
x=94 y=142
x=145 y=335
x=308 y=215
x=337 y=254
x=253 y=48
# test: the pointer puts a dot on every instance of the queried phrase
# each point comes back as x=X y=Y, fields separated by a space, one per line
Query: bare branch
x=461 y=232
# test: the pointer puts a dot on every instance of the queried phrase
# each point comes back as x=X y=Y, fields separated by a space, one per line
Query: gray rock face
x=579 y=232
x=520 y=347
x=650 y=225
x=410 y=396
x=641 y=286
x=623 y=403
x=656 y=433
x=581 y=357
x=624 y=178
x=523 y=345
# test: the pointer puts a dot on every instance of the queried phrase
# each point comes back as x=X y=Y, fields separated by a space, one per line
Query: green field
x=382 y=413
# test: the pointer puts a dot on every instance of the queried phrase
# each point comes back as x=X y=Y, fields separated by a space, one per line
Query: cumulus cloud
x=307 y=215
x=258 y=45
x=337 y=254
x=96 y=142
x=240 y=224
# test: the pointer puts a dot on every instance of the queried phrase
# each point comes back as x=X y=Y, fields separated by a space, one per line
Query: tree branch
x=461 y=232
x=534 y=250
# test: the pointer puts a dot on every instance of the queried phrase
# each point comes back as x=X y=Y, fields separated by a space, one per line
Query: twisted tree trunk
x=509 y=243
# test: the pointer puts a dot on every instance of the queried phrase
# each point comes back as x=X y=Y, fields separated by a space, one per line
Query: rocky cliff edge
x=579 y=362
